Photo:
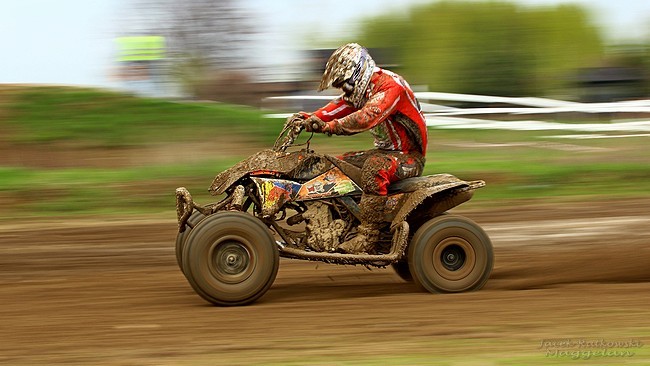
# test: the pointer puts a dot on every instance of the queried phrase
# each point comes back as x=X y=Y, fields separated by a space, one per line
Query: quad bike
x=303 y=205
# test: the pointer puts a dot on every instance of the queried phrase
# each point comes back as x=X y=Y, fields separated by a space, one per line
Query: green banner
x=141 y=48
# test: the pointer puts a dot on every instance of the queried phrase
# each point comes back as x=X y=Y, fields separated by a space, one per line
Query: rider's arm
x=337 y=108
x=375 y=111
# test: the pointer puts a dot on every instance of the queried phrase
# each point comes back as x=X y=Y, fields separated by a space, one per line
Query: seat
x=413 y=184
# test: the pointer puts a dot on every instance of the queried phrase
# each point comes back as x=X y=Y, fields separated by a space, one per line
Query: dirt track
x=110 y=293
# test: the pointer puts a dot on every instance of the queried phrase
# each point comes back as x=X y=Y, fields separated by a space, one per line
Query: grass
x=526 y=174
x=505 y=351
x=133 y=190
x=110 y=119
x=515 y=164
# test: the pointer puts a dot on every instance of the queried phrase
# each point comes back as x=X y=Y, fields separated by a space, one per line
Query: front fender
x=301 y=164
x=263 y=160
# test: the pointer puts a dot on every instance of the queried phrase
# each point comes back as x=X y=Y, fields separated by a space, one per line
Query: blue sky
x=71 y=41
x=55 y=41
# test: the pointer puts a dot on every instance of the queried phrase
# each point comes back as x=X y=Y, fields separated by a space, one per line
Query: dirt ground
x=567 y=277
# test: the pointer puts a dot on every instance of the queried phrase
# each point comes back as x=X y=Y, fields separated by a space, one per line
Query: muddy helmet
x=349 y=68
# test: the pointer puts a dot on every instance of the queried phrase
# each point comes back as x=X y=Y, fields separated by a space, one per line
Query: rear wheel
x=230 y=258
x=450 y=253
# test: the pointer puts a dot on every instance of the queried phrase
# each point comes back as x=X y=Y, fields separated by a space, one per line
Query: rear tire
x=450 y=253
x=230 y=258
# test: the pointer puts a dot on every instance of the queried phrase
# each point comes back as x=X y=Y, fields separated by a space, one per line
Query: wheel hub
x=231 y=258
x=453 y=257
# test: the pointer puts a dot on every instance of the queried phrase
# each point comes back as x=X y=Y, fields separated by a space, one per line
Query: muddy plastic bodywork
x=282 y=177
x=299 y=165
x=278 y=181
x=274 y=193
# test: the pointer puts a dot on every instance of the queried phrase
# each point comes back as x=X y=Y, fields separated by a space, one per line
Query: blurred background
x=107 y=106
x=241 y=50
x=91 y=93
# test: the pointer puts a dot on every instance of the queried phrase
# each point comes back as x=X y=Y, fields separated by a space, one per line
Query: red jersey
x=392 y=114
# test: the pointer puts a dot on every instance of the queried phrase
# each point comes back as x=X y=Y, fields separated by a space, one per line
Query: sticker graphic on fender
x=274 y=193
x=332 y=183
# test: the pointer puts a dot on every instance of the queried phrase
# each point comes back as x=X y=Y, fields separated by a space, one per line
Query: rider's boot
x=372 y=217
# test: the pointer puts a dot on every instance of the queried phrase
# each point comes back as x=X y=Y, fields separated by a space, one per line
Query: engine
x=323 y=232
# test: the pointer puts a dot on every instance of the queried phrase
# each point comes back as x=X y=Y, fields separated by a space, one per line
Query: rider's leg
x=379 y=169
x=376 y=174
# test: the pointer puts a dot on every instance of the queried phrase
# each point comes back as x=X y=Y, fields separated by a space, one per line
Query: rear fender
x=435 y=200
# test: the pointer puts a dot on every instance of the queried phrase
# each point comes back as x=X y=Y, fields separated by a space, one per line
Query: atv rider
x=381 y=102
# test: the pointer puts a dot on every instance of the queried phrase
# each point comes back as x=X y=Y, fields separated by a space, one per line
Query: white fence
x=440 y=115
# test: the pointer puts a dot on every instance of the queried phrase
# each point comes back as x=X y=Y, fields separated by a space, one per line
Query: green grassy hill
x=110 y=119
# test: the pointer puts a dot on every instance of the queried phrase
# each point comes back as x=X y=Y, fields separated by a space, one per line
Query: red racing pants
x=380 y=168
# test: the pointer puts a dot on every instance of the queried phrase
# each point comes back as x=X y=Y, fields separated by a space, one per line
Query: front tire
x=192 y=221
x=230 y=258
x=450 y=253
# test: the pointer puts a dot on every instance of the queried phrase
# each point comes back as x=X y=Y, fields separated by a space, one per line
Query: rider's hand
x=315 y=124
x=297 y=118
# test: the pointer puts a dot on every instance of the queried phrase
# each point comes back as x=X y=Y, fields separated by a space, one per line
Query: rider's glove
x=315 y=124
x=297 y=118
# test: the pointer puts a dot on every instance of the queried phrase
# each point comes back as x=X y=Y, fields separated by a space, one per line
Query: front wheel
x=194 y=219
x=230 y=258
x=450 y=253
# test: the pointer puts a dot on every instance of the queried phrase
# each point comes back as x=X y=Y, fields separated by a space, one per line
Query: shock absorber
x=237 y=198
